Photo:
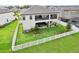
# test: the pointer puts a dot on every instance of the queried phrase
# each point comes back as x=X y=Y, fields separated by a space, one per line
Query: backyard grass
x=6 y=34
x=65 y=44
x=44 y=32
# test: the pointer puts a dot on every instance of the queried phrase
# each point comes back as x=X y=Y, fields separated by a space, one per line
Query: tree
x=35 y=30
x=25 y=6
x=68 y=27
x=16 y=13
x=10 y=7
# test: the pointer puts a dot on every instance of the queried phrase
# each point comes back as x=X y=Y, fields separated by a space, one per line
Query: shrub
x=55 y=23
x=68 y=27
x=35 y=30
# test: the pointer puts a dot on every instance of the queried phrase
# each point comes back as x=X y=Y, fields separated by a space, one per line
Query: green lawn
x=66 y=44
x=44 y=32
x=6 y=34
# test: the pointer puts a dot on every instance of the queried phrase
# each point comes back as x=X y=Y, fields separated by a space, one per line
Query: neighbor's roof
x=64 y=8
x=55 y=8
x=72 y=8
x=36 y=10
x=4 y=10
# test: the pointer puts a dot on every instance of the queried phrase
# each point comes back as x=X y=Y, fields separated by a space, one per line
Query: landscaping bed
x=43 y=33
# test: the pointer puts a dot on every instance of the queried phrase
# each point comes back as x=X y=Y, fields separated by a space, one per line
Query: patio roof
x=36 y=10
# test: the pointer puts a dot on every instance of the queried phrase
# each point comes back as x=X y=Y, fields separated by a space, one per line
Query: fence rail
x=33 y=43
x=15 y=36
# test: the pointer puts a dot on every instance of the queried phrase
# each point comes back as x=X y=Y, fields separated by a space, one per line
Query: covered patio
x=45 y=17
x=45 y=20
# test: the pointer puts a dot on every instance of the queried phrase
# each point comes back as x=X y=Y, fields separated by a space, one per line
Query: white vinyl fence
x=33 y=43
x=15 y=36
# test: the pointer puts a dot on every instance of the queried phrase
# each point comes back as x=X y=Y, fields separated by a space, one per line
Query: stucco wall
x=28 y=23
x=3 y=18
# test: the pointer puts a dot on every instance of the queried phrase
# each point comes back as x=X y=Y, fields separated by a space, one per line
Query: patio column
x=33 y=21
x=49 y=16
x=49 y=21
x=49 y=24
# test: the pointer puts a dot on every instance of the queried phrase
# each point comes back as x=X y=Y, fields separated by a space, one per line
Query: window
x=23 y=18
x=7 y=20
x=31 y=17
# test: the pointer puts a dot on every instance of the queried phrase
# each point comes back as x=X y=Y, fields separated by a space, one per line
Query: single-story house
x=37 y=15
x=6 y=16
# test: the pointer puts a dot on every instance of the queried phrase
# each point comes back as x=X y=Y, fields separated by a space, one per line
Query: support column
x=33 y=21
x=59 y=16
x=49 y=16
x=49 y=24
x=49 y=21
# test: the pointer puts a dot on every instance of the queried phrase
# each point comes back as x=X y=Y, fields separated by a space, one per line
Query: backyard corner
x=40 y=40
x=43 y=33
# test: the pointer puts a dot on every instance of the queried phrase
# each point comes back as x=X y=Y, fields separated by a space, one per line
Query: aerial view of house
x=39 y=29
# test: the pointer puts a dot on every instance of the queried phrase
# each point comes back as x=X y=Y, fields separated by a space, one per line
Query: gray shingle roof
x=36 y=10
x=70 y=7
x=4 y=10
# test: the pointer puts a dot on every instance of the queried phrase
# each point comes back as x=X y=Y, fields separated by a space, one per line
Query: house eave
x=40 y=13
x=5 y=12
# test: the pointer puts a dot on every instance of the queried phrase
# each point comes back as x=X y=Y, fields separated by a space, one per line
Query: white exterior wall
x=28 y=23
x=3 y=18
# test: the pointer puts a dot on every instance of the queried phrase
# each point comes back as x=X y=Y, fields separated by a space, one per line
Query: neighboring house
x=37 y=15
x=6 y=16
x=66 y=12
x=70 y=12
